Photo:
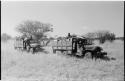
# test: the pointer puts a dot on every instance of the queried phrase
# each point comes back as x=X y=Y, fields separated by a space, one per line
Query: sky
x=75 y=17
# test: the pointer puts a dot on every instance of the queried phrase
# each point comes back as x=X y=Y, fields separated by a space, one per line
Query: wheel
x=88 y=54
x=28 y=48
x=54 y=51
x=32 y=50
x=15 y=47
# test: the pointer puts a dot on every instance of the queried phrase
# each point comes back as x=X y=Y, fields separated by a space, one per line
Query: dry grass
x=21 y=66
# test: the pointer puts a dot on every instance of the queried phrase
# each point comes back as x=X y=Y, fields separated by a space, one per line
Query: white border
x=62 y=0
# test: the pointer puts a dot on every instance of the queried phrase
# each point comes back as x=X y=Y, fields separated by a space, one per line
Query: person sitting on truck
x=28 y=40
x=24 y=42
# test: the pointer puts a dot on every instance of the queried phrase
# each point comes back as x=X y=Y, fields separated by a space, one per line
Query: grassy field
x=46 y=66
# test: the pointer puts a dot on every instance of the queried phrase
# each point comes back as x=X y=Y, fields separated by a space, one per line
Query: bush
x=5 y=37
x=107 y=36
x=102 y=36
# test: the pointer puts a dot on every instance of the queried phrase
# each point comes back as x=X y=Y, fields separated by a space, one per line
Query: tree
x=105 y=35
x=102 y=35
x=34 y=28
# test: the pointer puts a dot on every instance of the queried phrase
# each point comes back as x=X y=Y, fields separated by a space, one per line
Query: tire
x=88 y=54
x=28 y=48
x=32 y=50
x=15 y=48
x=54 y=51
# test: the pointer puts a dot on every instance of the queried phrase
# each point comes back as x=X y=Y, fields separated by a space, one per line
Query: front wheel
x=28 y=48
x=32 y=50
x=54 y=51
x=15 y=48
x=88 y=54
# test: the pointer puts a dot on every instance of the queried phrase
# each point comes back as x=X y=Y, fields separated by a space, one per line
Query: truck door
x=74 y=45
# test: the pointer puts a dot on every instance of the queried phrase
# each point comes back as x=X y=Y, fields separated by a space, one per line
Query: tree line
x=39 y=31
x=102 y=36
x=5 y=37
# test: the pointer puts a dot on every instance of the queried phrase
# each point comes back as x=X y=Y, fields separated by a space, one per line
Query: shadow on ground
x=105 y=58
x=41 y=50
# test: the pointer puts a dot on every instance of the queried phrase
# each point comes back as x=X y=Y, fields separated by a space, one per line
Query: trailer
x=29 y=45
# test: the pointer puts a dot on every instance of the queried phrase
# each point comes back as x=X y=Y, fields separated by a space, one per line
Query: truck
x=29 y=45
x=78 y=46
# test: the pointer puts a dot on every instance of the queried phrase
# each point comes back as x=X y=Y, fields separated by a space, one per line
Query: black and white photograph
x=62 y=40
